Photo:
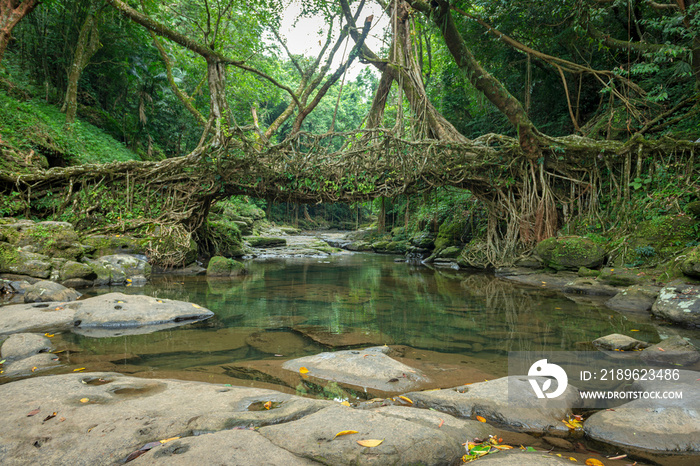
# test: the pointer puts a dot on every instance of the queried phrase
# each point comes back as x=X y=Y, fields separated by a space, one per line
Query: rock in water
x=679 y=304
x=121 y=310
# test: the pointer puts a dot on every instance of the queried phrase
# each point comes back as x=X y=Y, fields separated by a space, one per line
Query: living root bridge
x=524 y=197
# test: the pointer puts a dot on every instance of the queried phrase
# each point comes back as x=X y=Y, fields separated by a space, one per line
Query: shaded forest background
x=81 y=82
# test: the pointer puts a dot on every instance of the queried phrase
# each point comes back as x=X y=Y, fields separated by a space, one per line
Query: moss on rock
x=570 y=253
x=266 y=242
x=223 y=267
x=690 y=265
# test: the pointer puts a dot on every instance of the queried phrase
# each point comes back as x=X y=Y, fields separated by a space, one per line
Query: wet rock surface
x=636 y=298
x=322 y=336
x=103 y=418
x=23 y=345
x=508 y=401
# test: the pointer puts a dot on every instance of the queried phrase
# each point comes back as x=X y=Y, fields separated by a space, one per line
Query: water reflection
x=296 y=307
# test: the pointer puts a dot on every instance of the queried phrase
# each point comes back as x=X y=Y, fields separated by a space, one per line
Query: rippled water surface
x=295 y=307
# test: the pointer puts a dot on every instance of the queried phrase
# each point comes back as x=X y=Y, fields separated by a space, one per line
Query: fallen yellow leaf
x=571 y=458
x=370 y=442
x=406 y=399
x=84 y=400
x=345 y=432
x=169 y=439
x=79 y=369
x=49 y=335
x=34 y=368
x=196 y=306
x=345 y=403
x=303 y=370
x=480 y=419
x=594 y=462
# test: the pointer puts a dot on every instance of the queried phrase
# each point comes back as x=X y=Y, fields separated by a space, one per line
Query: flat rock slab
x=370 y=368
x=653 y=425
x=679 y=304
x=101 y=418
x=31 y=365
x=322 y=336
x=674 y=351
x=23 y=345
x=619 y=342
x=636 y=298
x=509 y=401
x=410 y=436
x=113 y=312
x=37 y=317
x=521 y=458
x=121 y=310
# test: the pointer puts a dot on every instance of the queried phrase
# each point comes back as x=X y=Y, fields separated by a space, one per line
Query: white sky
x=304 y=36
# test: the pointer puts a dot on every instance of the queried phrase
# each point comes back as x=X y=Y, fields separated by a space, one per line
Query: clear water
x=269 y=315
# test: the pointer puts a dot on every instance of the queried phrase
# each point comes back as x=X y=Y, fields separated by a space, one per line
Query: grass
x=33 y=125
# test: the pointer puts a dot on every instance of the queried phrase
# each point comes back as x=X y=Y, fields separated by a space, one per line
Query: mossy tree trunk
x=88 y=44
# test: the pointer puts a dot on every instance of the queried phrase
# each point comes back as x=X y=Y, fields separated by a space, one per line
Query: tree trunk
x=11 y=12
x=478 y=76
x=88 y=44
x=381 y=216
x=219 y=114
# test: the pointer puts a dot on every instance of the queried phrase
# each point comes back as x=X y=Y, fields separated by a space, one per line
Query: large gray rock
x=37 y=317
x=121 y=310
x=410 y=436
x=619 y=342
x=101 y=418
x=121 y=269
x=71 y=270
x=679 y=304
x=369 y=368
x=46 y=291
x=672 y=351
x=660 y=425
x=23 y=345
x=509 y=401
x=636 y=298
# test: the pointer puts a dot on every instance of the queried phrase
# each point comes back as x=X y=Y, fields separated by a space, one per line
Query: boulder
x=617 y=342
x=674 y=351
x=360 y=246
x=122 y=268
x=72 y=270
x=370 y=368
x=120 y=310
x=636 y=298
x=222 y=267
x=423 y=241
x=570 y=253
x=53 y=239
x=390 y=247
x=23 y=345
x=679 y=304
x=690 y=265
x=263 y=242
x=18 y=261
x=509 y=401
x=46 y=291
x=656 y=426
